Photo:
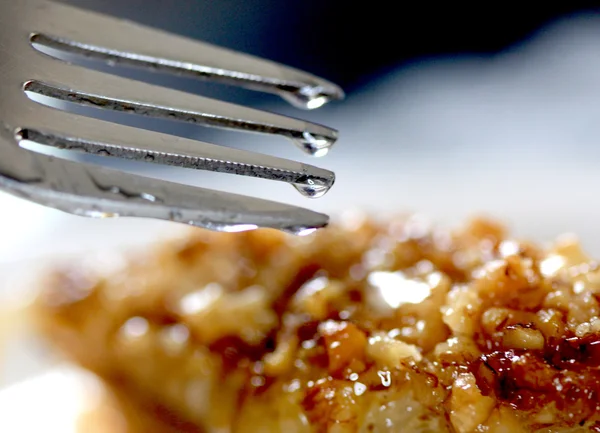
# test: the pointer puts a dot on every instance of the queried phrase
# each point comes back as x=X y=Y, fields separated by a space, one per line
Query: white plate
x=51 y=402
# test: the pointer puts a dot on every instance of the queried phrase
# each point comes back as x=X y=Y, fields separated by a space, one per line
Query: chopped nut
x=387 y=352
x=593 y=326
x=315 y=297
x=247 y=313
x=457 y=348
x=282 y=359
x=344 y=343
x=569 y=247
x=503 y=420
x=468 y=408
x=519 y=337
x=461 y=310
x=331 y=406
x=513 y=282
x=550 y=322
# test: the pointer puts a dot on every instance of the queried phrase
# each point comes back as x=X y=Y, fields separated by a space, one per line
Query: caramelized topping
x=359 y=327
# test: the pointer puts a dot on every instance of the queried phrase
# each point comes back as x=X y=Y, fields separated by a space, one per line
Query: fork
x=31 y=30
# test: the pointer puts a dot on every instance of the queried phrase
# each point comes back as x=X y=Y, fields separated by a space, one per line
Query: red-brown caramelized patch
x=565 y=374
x=345 y=345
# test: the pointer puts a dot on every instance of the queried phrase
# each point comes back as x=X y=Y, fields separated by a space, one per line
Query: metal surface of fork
x=93 y=190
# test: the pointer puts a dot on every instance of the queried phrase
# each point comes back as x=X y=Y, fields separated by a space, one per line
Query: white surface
x=516 y=136
x=49 y=403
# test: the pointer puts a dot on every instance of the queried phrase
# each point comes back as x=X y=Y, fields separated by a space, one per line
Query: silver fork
x=28 y=28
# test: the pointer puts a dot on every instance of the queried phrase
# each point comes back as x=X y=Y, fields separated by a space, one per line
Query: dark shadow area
x=346 y=41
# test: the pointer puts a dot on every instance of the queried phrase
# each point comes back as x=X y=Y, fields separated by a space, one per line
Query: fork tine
x=106 y=91
x=47 y=125
x=92 y=190
x=119 y=41
x=95 y=191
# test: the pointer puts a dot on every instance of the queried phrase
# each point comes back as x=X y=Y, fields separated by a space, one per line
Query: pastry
x=365 y=326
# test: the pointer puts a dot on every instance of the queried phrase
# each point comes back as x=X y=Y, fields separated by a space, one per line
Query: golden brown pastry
x=361 y=327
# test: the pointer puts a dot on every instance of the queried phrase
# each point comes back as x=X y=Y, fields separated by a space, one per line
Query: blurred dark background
x=344 y=41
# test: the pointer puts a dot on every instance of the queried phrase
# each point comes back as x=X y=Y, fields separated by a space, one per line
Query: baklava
x=365 y=326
